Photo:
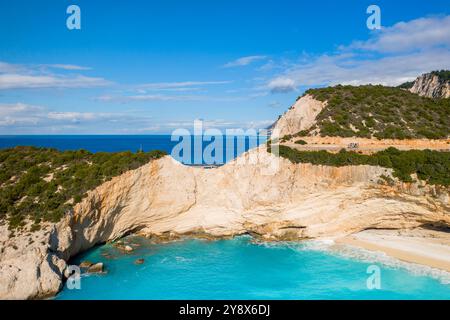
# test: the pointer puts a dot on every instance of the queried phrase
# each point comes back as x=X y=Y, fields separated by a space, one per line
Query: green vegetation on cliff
x=380 y=112
x=406 y=85
x=443 y=75
x=42 y=184
x=430 y=166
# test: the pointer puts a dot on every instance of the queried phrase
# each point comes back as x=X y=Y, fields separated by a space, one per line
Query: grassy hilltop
x=42 y=184
x=380 y=112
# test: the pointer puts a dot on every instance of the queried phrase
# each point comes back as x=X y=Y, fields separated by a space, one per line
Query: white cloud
x=281 y=85
x=11 y=108
x=390 y=70
x=73 y=116
x=179 y=85
x=221 y=124
x=244 y=61
x=30 y=119
x=21 y=81
x=149 y=97
x=18 y=76
x=166 y=97
x=19 y=114
x=9 y=67
x=67 y=67
x=37 y=118
x=419 y=34
x=390 y=57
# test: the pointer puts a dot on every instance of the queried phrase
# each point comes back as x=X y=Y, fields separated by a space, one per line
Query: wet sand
x=425 y=247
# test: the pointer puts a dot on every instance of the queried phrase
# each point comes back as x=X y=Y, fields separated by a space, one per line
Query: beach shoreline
x=425 y=247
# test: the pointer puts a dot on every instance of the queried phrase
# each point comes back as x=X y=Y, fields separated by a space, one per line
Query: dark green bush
x=430 y=166
x=381 y=112
x=73 y=173
x=444 y=75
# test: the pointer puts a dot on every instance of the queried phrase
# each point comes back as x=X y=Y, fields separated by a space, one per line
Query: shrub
x=30 y=196
x=381 y=112
x=430 y=166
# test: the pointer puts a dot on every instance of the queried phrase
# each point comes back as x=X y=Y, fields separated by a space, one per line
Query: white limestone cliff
x=301 y=116
x=294 y=201
x=429 y=85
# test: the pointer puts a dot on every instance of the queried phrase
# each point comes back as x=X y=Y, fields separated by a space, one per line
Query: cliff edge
x=432 y=85
x=293 y=202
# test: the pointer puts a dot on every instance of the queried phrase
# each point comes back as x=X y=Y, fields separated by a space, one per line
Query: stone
x=95 y=268
x=139 y=261
x=301 y=116
x=85 y=264
x=429 y=85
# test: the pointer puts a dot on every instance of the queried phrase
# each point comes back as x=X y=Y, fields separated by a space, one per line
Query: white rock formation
x=296 y=201
x=301 y=116
x=29 y=268
x=429 y=85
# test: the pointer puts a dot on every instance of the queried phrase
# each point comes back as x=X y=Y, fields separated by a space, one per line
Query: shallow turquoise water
x=241 y=269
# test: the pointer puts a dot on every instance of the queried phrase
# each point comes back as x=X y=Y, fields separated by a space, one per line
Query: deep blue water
x=231 y=146
x=241 y=269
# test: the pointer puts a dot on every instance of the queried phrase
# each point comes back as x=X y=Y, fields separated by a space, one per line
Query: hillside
x=432 y=167
x=378 y=112
x=42 y=184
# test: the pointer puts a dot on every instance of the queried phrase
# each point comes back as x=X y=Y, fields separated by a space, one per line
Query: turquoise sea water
x=242 y=269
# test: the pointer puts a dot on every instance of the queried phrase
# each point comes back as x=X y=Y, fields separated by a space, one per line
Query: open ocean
x=133 y=143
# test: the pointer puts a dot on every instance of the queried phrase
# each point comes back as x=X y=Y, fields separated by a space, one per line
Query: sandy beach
x=425 y=247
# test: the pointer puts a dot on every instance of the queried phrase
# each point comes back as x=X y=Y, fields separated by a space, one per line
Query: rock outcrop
x=29 y=266
x=301 y=116
x=432 y=86
x=257 y=193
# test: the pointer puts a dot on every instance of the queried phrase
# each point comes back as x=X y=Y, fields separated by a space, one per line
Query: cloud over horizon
x=32 y=119
x=14 y=76
x=243 y=61
x=390 y=56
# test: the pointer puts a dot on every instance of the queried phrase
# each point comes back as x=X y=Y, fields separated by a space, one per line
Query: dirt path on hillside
x=366 y=146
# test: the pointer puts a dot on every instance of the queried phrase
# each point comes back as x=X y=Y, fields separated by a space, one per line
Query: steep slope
x=367 y=112
x=288 y=201
x=435 y=84
x=301 y=116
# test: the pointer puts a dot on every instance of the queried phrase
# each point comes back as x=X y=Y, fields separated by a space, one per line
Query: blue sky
x=146 y=67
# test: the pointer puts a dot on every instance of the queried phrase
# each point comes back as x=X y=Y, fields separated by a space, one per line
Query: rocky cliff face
x=430 y=85
x=30 y=268
x=248 y=195
x=301 y=116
